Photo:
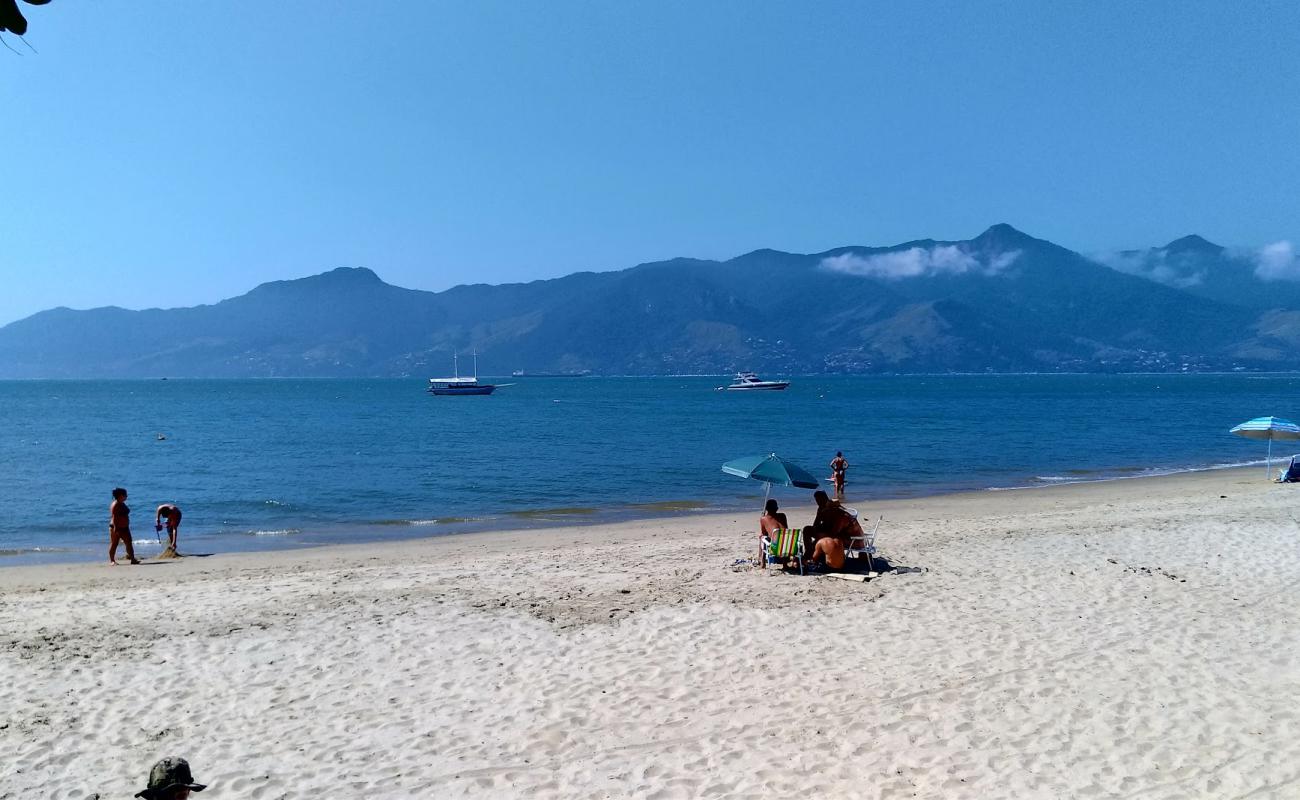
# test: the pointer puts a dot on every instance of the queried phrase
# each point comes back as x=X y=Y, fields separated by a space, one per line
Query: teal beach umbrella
x=1269 y=428
x=771 y=470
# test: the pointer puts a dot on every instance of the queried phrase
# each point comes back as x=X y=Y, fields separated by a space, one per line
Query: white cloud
x=1278 y=261
x=1154 y=266
x=1001 y=261
x=915 y=262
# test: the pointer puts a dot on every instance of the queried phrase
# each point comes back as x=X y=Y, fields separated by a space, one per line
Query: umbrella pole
x=762 y=550
x=1268 y=462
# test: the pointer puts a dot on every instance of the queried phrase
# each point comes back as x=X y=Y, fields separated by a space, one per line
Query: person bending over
x=172 y=514
x=119 y=527
x=829 y=553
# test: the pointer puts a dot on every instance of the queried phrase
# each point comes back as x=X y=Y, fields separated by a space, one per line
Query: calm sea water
x=284 y=463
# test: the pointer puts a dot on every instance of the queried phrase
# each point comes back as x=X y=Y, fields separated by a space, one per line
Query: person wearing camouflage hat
x=170 y=779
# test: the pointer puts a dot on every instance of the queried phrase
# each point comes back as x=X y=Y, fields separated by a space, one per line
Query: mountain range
x=1003 y=301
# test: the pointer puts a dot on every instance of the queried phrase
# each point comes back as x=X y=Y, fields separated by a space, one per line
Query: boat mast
x=476 y=366
x=455 y=364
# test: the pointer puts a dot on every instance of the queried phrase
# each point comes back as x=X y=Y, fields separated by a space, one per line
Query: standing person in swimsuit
x=119 y=527
x=172 y=513
x=839 y=465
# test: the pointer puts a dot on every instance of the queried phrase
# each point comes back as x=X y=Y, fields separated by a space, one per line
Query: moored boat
x=749 y=381
x=581 y=373
x=458 y=385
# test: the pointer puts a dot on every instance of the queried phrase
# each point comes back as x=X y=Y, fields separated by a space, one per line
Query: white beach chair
x=864 y=544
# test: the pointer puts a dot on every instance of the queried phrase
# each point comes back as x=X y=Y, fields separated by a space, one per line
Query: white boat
x=459 y=385
x=523 y=373
x=750 y=382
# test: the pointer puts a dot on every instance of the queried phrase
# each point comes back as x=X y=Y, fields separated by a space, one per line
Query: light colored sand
x=1130 y=639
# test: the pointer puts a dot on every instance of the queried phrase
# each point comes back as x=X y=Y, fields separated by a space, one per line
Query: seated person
x=829 y=552
x=772 y=520
x=831 y=521
x=768 y=524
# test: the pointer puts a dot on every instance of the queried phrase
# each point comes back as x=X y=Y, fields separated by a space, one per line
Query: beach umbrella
x=1269 y=428
x=772 y=470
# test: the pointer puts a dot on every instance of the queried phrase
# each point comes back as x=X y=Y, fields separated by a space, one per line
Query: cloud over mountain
x=1157 y=265
x=1278 y=261
x=944 y=259
x=1193 y=263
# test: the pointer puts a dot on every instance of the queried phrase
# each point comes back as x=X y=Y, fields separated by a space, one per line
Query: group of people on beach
x=119 y=526
x=826 y=540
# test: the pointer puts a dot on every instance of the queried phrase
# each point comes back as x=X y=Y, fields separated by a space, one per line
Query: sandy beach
x=1132 y=638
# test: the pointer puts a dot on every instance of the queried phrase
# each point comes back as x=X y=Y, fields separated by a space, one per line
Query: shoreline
x=364 y=459
x=342 y=534
x=550 y=536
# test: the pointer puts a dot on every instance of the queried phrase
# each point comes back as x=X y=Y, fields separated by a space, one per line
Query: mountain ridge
x=1003 y=301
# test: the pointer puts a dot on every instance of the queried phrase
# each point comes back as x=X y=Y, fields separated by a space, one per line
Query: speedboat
x=458 y=385
x=749 y=381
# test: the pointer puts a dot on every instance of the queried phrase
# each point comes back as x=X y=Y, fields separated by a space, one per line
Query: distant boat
x=458 y=385
x=577 y=373
x=749 y=381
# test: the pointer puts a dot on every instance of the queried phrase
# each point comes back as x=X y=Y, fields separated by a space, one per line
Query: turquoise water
x=284 y=463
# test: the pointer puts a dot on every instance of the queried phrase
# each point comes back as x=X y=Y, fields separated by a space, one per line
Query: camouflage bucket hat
x=170 y=773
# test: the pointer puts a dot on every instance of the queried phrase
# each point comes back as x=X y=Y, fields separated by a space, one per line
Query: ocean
x=269 y=464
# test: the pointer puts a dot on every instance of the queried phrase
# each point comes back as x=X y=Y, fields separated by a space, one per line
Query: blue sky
x=162 y=153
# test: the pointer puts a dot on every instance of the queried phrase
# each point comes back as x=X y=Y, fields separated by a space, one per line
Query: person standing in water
x=839 y=465
x=172 y=514
x=119 y=527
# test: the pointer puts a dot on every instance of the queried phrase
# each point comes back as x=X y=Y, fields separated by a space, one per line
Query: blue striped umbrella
x=1268 y=428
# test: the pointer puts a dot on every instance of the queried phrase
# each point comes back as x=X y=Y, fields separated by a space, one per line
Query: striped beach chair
x=785 y=545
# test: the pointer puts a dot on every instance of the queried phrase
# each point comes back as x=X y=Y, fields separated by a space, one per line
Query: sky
x=164 y=153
